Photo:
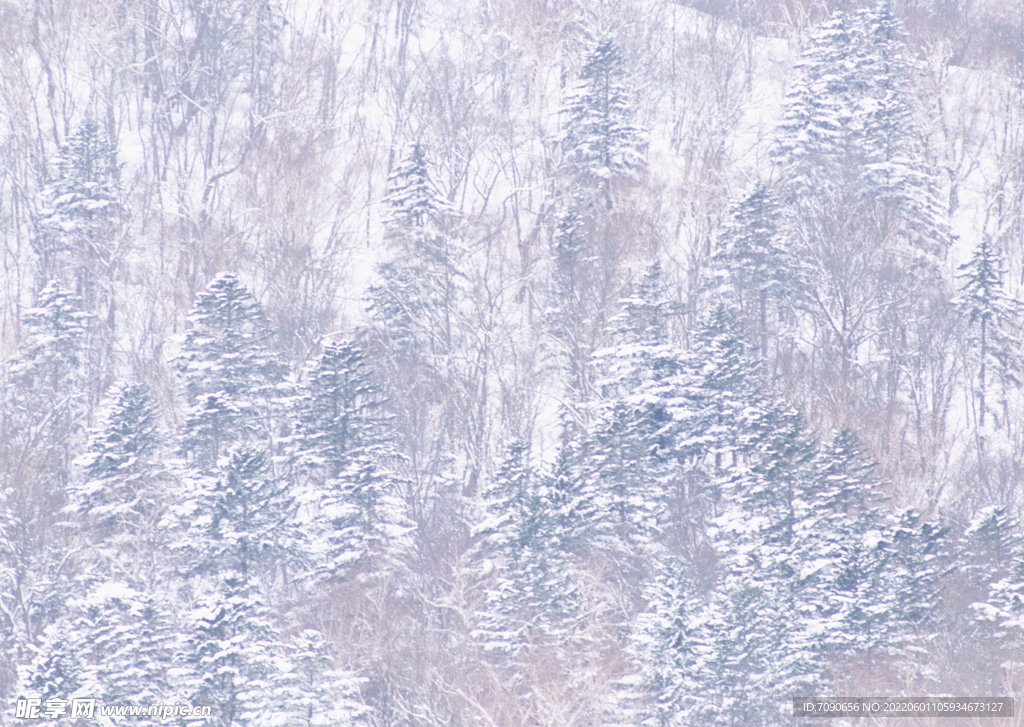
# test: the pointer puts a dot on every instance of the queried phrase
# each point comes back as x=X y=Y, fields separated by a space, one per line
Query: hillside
x=523 y=362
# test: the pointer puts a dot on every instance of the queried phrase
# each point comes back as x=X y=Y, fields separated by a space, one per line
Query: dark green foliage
x=412 y=200
x=526 y=547
x=343 y=445
x=230 y=377
x=119 y=460
x=600 y=141
x=239 y=519
x=990 y=312
x=76 y=230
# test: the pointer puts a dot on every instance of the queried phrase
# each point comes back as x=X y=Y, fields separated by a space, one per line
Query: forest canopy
x=523 y=362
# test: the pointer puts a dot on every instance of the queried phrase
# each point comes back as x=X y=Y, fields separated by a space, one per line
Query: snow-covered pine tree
x=318 y=694
x=999 y=614
x=839 y=526
x=230 y=377
x=339 y=412
x=114 y=644
x=600 y=143
x=530 y=593
x=630 y=466
x=860 y=208
x=239 y=519
x=917 y=555
x=666 y=689
x=754 y=656
x=723 y=408
x=670 y=425
x=600 y=147
x=753 y=270
x=762 y=649
x=77 y=225
x=119 y=493
x=56 y=667
x=848 y=115
x=343 y=444
x=575 y=314
x=988 y=546
x=414 y=302
x=989 y=311
x=647 y=313
x=799 y=572
x=234 y=656
x=412 y=200
x=980 y=589
x=417 y=339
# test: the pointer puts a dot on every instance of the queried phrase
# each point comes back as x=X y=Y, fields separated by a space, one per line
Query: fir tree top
x=412 y=199
x=600 y=139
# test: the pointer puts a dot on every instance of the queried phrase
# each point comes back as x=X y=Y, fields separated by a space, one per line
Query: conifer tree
x=600 y=141
x=577 y=312
x=77 y=233
x=417 y=330
x=989 y=544
x=647 y=313
x=319 y=694
x=114 y=644
x=56 y=668
x=44 y=405
x=999 y=614
x=239 y=519
x=344 y=444
x=666 y=647
x=917 y=557
x=340 y=410
x=859 y=206
x=118 y=493
x=753 y=270
x=412 y=200
x=531 y=594
x=989 y=311
x=840 y=528
x=414 y=303
x=230 y=376
x=232 y=654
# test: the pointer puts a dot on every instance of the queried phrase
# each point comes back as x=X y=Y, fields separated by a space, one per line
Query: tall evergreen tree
x=600 y=141
x=319 y=694
x=577 y=311
x=754 y=270
x=119 y=491
x=114 y=644
x=232 y=654
x=647 y=313
x=344 y=444
x=237 y=661
x=860 y=208
x=840 y=536
x=417 y=338
x=340 y=410
x=239 y=519
x=999 y=613
x=989 y=311
x=77 y=230
x=231 y=378
x=667 y=642
x=412 y=200
x=530 y=595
